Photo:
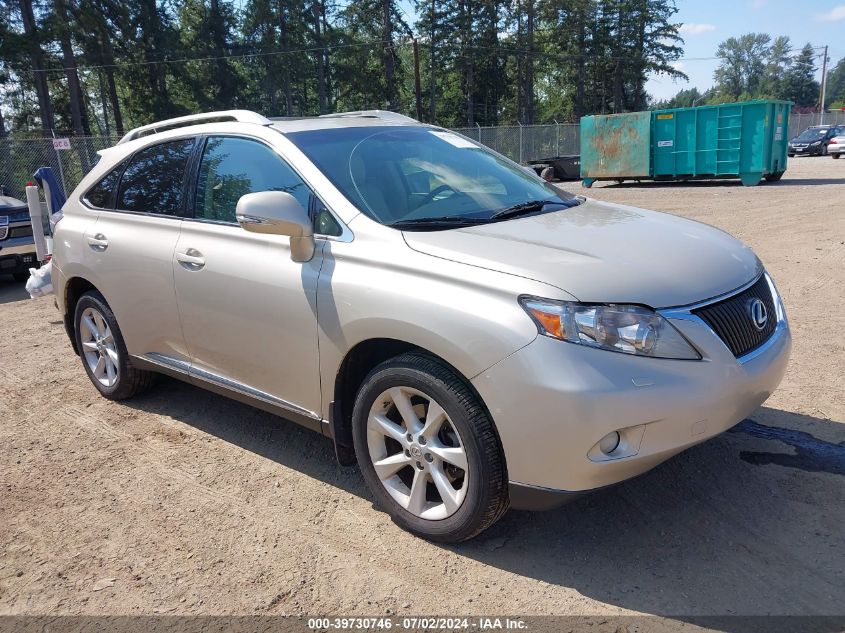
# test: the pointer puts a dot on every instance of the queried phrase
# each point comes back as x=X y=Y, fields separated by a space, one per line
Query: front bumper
x=553 y=401
x=17 y=255
x=806 y=151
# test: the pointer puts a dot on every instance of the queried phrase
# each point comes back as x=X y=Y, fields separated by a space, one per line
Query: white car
x=836 y=147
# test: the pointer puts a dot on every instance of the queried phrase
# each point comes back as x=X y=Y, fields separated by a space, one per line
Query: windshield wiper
x=446 y=221
x=523 y=208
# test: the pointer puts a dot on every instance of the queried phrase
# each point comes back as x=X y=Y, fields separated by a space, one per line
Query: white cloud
x=836 y=14
x=692 y=28
x=678 y=66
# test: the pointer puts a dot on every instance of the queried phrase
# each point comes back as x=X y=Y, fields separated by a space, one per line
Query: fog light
x=609 y=442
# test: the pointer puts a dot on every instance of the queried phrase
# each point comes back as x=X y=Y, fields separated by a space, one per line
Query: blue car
x=17 y=248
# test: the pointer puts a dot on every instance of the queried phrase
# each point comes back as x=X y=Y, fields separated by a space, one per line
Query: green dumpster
x=745 y=140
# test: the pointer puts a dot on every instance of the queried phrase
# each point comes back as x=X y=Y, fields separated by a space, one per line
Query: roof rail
x=385 y=115
x=241 y=116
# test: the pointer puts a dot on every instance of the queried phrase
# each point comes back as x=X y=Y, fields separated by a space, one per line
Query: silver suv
x=472 y=336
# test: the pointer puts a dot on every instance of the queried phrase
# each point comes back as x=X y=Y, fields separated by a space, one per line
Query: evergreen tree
x=800 y=85
x=836 y=84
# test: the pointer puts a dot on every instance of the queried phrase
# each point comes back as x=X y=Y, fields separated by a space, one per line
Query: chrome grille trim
x=731 y=321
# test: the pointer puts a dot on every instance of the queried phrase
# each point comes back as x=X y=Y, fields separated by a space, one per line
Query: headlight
x=814 y=143
x=628 y=329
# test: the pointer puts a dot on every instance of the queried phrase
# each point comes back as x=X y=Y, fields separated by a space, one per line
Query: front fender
x=466 y=315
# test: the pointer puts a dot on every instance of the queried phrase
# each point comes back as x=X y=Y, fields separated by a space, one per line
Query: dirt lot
x=183 y=502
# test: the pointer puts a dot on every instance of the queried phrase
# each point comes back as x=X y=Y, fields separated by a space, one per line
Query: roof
x=320 y=123
x=358 y=118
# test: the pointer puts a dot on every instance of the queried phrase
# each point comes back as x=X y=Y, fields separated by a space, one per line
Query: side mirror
x=278 y=213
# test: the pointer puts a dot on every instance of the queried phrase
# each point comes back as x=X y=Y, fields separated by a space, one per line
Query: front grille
x=732 y=321
x=20 y=231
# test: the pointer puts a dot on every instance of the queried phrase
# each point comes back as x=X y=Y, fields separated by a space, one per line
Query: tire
x=481 y=496
x=774 y=177
x=106 y=345
x=823 y=150
x=791 y=155
x=21 y=277
x=836 y=156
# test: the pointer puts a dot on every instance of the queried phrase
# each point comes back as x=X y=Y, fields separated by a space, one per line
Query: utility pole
x=104 y=102
x=433 y=110
x=417 y=89
x=824 y=86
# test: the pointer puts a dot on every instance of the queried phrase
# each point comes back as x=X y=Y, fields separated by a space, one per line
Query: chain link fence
x=524 y=143
x=800 y=122
x=20 y=158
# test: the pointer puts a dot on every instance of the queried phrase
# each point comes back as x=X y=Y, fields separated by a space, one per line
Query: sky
x=706 y=23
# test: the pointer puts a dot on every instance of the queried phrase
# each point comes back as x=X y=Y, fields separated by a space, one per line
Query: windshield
x=812 y=134
x=417 y=175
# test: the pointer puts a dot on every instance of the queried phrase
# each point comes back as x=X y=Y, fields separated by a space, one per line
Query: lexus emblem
x=759 y=314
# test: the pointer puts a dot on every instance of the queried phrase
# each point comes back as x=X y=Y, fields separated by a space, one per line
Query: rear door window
x=154 y=180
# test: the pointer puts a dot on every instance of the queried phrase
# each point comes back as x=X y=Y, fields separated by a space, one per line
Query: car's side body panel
x=249 y=313
x=376 y=287
x=134 y=272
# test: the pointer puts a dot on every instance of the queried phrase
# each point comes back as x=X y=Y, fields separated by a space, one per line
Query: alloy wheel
x=417 y=453
x=98 y=347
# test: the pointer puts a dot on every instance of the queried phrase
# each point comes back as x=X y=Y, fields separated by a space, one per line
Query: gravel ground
x=183 y=502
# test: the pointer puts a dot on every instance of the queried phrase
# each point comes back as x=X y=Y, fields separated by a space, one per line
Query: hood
x=600 y=252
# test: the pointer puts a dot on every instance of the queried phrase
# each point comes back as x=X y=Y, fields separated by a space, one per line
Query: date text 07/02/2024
x=417 y=623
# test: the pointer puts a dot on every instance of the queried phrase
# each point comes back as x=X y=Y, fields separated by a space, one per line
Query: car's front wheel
x=103 y=351
x=428 y=450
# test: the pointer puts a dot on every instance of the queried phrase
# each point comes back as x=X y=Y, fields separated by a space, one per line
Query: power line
x=368 y=43
x=182 y=60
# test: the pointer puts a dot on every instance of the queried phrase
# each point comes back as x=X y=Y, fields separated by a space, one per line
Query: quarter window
x=102 y=194
x=232 y=167
x=154 y=180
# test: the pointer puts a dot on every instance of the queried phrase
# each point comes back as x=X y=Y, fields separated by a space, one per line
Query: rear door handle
x=98 y=242
x=191 y=259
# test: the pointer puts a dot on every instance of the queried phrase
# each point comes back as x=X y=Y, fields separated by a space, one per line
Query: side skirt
x=182 y=370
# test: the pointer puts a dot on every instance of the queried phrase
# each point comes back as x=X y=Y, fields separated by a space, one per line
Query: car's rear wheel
x=835 y=156
x=428 y=450
x=103 y=351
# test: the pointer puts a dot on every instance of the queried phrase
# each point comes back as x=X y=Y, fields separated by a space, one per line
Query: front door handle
x=98 y=243
x=191 y=259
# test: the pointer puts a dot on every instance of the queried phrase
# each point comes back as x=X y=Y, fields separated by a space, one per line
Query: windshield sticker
x=454 y=139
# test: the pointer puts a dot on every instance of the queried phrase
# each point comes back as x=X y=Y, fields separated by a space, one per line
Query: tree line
x=757 y=66
x=101 y=66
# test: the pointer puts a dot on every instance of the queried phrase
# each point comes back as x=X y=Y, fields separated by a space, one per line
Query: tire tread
x=132 y=381
x=495 y=480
